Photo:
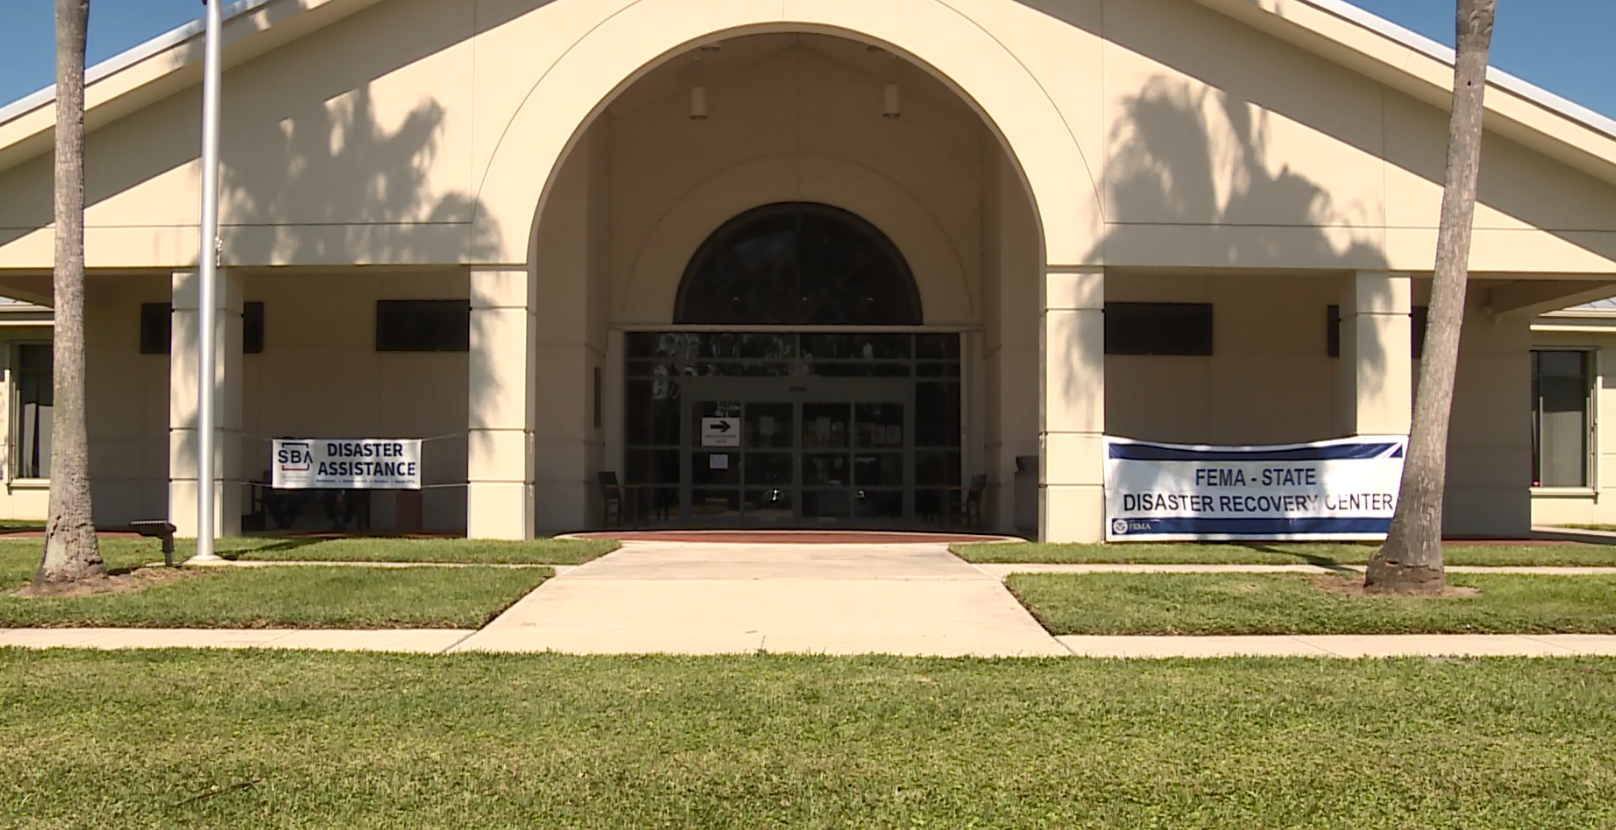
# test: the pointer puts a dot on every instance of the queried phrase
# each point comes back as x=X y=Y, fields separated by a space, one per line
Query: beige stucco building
x=903 y=243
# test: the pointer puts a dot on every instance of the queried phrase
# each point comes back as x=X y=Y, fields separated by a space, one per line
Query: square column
x=1377 y=384
x=503 y=400
x=1072 y=421
x=184 y=439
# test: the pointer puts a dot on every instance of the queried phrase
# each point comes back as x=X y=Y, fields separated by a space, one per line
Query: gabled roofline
x=164 y=66
x=1495 y=76
x=23 y=131
x=129 y=57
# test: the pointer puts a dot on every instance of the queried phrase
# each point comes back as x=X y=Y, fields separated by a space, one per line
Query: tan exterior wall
x=1050 y=156
x=128 y=397
x=1490 y=437
x=320 y=376
x=1270 y=379
x=795 y=126
x=434 y=141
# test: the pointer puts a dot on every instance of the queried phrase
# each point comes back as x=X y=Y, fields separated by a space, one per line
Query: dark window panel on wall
x=1158 y=329
x=252 y=328
x=423 y=325
x=156 y=328
x=1419 y=318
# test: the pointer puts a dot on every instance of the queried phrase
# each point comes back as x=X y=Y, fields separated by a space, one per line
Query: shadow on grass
x=1308 y=558
x=280 y=545
x=1578 y=534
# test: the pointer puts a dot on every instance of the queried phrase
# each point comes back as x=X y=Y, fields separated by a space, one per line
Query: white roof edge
x=1495 y=76
x=129 y=57
x=1340 y=8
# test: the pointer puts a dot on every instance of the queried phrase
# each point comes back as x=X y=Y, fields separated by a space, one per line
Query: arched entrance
x=804 y=391
x=801 y=259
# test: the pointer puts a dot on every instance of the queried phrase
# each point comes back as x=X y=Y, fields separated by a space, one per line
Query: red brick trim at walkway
x=789 y=537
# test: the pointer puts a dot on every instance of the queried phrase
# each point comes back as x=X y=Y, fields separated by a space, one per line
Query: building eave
x=1422 y=68
x=1334 y=29
x=164 y=66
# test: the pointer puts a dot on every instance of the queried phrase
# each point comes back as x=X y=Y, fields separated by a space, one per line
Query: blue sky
x=1562 y=45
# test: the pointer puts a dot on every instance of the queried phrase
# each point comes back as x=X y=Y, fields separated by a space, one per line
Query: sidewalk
x=1001 y=571
x=404 y=641
x=441 y=642
x=1347 y=646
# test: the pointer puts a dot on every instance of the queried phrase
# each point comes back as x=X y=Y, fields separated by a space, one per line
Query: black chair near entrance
x=965 y=504
x=618 y=499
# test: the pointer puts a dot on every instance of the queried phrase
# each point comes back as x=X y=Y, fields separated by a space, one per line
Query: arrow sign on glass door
x=721 y=432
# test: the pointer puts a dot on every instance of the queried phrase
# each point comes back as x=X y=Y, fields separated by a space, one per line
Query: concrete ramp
x=736 y=597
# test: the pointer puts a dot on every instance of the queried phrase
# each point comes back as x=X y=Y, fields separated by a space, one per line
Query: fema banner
x=1344 y=490
x=347 y=464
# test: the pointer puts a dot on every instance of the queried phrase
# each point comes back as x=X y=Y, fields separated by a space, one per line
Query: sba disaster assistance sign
x=1343 y=490
x=347 y=464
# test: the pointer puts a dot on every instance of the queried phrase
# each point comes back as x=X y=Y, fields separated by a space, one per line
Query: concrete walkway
x=440 y=642
x=404 y=641
x=1001 y=571
x=706 y=598
x=1349 y=646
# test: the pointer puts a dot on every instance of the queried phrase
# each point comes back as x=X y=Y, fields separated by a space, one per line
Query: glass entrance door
x=798 y=452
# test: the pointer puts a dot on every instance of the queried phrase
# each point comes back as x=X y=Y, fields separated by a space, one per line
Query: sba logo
x=294 y=457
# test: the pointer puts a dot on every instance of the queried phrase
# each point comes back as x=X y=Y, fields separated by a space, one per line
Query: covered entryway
x=800 y=387
x=783 y=260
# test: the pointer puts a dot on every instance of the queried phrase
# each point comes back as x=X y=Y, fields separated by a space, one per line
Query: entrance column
x=1072 y=421
x=184 y=445
x=500 y=412
x=1377 y=385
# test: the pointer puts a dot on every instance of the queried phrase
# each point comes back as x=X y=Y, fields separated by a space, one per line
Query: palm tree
x=71 y=550
x=1411 y=559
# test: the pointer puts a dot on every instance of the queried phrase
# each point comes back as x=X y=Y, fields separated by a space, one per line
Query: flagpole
x=207 y=312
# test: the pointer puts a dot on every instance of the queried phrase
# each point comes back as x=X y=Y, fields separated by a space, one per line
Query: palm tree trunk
x=71 y=549
x=1411 y=559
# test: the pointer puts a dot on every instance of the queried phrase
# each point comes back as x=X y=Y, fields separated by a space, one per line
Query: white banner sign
x=1330 y=490
x=347 y=464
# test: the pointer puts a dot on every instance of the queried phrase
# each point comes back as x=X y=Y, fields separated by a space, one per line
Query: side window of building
x=1562 y=397
x=1418 y=318
x=1158 y=329
x=157 y=327
x=33 y=393
x=423 y=325
x=252 y=328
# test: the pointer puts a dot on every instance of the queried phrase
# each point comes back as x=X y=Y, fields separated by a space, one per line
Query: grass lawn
x=293 y=740
x=1276 y=553
x=292 y=597
x=124 y=553
x=1287 y=604
x=450 y=551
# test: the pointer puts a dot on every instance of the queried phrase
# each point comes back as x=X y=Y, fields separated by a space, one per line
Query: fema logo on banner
x=1119 y=527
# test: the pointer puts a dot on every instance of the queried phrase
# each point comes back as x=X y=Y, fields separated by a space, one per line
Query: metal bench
x=158 y=530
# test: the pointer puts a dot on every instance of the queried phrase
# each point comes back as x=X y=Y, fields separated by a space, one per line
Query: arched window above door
x=798 y=264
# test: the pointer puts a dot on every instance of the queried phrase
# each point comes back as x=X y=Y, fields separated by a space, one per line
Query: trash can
x=1026 y=500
